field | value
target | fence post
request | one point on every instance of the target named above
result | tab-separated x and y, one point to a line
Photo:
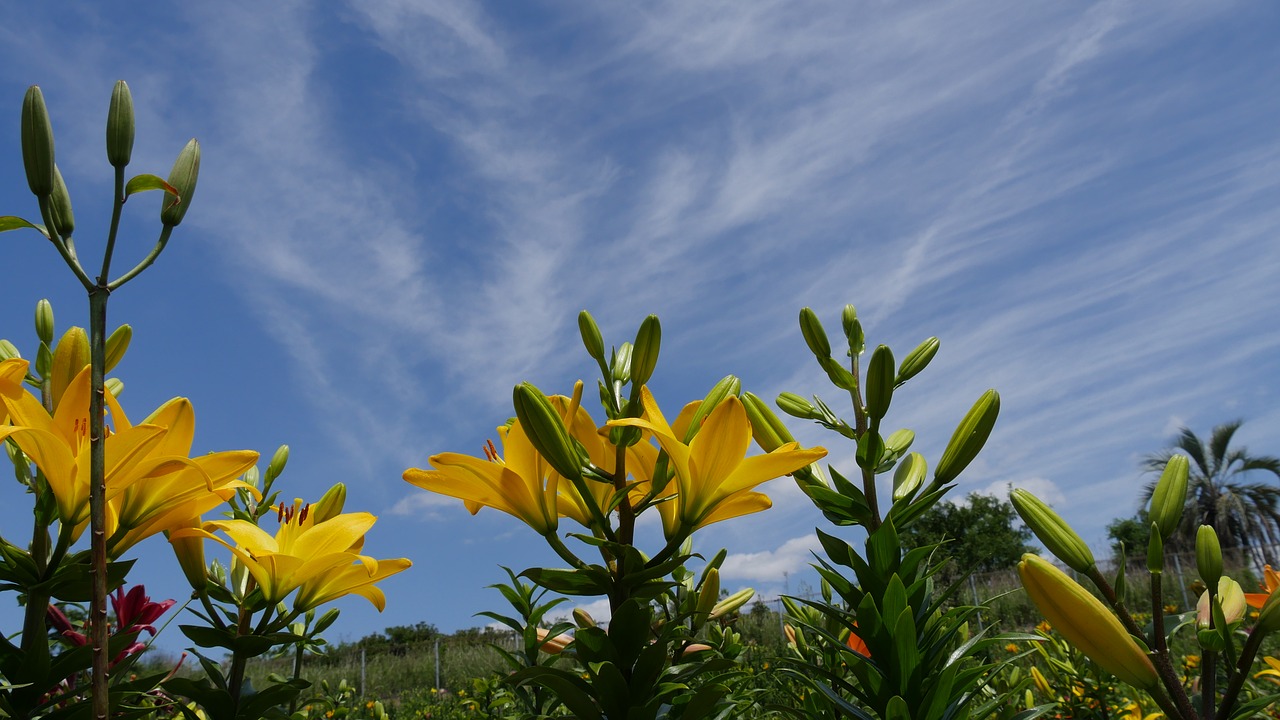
364	689
1182	583
437	655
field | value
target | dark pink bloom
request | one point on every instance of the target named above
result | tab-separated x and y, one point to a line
63	625
134	610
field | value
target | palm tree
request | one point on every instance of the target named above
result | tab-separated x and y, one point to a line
1244	514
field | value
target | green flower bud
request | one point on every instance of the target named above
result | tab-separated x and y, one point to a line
708	595
120	126
186	170
583	619
767	428
278	462
44	321
909	475
880	382
814	336
732	604
64	220
1170	496
591	336
917	360
69	358
44	361
796	406
330	504
1208	555
1155	551
621	370
8	351
728	385
644	357
118	345
37	143
838	374
1052	530
115	386
970	435
546	431
853	331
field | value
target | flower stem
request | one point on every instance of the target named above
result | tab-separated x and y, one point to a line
98	496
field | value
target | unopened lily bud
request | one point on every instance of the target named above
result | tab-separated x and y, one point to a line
917	360
330	504
44	321
186	170
37	143
970	435
1230	597
1170	496
8	351
591	335
838	374
793	636
880	377
708	595
621	370
583	619
796	406
767	428
1208	554
546	431
814	336
117	345
728	386
898	441
1155	551
644	356
115	386
553	645
69	358
120	126
732	604
1085	622
1052	530
189	548
278	462
852	330
64	220
909	475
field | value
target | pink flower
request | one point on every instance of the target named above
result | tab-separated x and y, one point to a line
135	612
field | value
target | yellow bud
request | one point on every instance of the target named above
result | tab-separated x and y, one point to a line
117	346
1052	530
553	645
330	504
1085	622
1230	597
708	594
190	553
909	475
69	358
732	604
583	618
546	431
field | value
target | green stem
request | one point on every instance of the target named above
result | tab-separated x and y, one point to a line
97	498
116	206
554	541
297	673
235	680
860	429
161	242
46	213
1208	682
1247	656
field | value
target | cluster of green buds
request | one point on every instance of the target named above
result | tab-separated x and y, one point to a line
1105	631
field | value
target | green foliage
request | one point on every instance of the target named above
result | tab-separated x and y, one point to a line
979	535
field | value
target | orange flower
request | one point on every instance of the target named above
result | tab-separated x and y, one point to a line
856	644
1270	581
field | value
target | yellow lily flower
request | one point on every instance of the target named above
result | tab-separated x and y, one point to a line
177	487
59	444
319	557
714	479
520	484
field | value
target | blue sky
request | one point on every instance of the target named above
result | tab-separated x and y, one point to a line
403	206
